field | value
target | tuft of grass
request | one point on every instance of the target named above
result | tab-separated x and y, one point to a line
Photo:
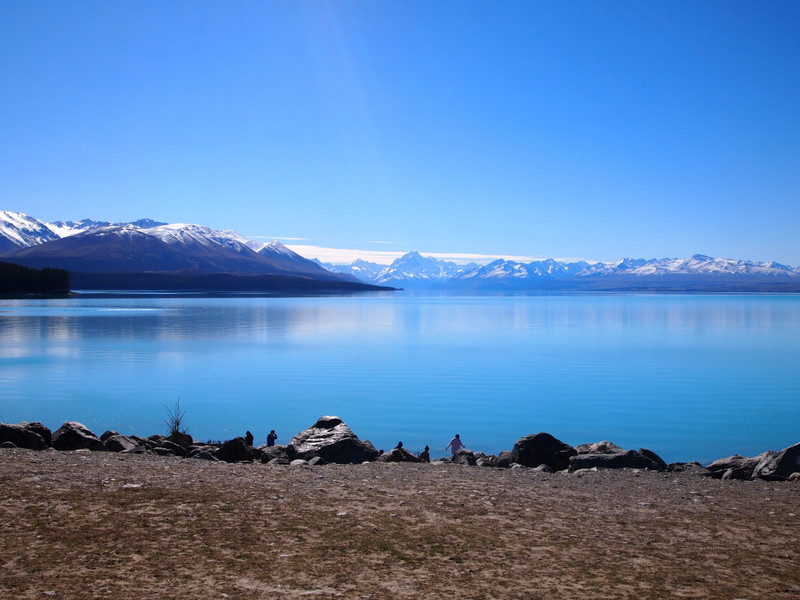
175	419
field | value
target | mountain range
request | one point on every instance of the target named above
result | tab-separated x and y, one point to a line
156	255
696	273
150	254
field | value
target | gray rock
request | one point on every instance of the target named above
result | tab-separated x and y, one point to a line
279	461
734	467
542	449
333	441
41	430
107	434
795	476
177	449
299	462
235	450
316	461
779	466
486	460
582	472
629	459
21	436
119	443
270	453
76	436
195	450
146	442
503	460
399	455
181	438
542	469
465	457
654	457
599	448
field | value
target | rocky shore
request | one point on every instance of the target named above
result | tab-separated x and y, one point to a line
330	440
139	521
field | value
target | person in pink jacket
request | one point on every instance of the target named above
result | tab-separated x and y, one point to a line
455	445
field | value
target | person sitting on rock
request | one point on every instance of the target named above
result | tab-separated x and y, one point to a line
271	437
425	455
248	439
455	445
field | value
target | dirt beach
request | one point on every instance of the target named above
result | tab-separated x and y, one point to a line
81	525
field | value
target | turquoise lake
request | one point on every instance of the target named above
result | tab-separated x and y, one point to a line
692	377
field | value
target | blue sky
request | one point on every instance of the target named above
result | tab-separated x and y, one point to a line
598	130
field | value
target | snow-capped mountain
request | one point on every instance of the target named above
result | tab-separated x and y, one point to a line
410	271
67	228
147	246
697	264
18	230
359	268
413	271
508	273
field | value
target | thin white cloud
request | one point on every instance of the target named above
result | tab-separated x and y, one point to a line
344	256
275	237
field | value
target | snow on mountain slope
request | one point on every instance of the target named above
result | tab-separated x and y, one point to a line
361	269
205	248
198	236
697	264
412	270
18	230
67	228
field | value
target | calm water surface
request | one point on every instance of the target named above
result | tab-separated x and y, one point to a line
690	377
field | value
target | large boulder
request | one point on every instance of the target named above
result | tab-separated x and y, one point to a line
270	453
76	436
779	466
181	438
654	457
119	443
176	449
235	450
503	460
542	449
735	467
628	459
399	455
25	435
333	441
41	430
464	457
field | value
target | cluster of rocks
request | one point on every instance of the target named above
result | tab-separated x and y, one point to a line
330	440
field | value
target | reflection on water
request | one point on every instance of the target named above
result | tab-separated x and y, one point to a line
689	376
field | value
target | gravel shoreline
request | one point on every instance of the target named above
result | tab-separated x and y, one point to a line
102	525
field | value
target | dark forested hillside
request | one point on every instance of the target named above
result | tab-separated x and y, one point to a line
16	279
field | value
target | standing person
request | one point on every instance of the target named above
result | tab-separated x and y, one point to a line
271	438
455	445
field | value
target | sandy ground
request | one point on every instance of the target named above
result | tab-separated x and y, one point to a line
81	525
